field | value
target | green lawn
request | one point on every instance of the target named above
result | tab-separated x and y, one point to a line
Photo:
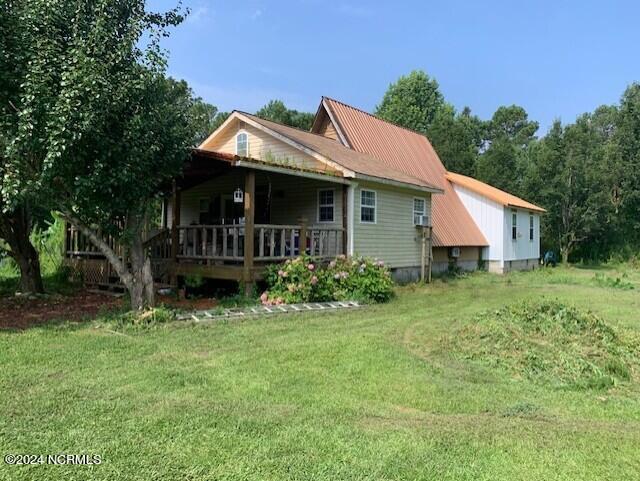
365	394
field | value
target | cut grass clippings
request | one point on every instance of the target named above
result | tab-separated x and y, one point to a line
551	342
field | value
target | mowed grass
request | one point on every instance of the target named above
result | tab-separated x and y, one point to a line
365	394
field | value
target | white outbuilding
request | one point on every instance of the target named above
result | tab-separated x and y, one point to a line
511	225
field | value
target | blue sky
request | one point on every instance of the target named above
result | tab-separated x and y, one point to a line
555	58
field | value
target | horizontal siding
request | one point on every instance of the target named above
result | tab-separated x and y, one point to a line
327	129
393	238
291	197
264	147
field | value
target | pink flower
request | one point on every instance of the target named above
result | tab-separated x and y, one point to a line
264	296
314	280
380	263
332	264
311	267
281	273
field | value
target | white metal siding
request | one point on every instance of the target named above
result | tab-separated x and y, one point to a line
488	216
521	248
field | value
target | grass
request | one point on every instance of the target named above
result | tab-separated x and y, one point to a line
367	394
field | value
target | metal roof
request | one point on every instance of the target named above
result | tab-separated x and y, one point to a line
490	192
406	151
361	163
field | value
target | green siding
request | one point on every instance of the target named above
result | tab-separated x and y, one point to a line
291	197
393	238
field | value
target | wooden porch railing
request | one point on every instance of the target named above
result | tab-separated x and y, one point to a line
272	243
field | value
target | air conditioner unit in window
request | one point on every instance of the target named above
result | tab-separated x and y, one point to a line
455	252
422	220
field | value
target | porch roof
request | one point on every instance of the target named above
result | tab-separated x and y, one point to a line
349	163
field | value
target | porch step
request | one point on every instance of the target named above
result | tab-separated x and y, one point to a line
244	312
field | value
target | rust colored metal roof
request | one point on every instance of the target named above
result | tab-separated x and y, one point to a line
352	160
490	192
407	151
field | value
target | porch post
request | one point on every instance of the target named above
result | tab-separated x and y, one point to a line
175	233
249	214
345	217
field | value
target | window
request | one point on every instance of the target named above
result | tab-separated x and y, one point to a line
419	209
242	144
203	211
514	225
531	227
326	205
368	206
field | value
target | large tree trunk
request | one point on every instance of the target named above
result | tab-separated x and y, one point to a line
15	229
137	278
141	283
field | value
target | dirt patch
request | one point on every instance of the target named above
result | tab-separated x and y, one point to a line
21	312
199	304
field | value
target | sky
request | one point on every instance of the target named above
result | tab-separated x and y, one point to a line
557	59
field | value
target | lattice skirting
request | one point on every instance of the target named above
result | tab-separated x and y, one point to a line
90	272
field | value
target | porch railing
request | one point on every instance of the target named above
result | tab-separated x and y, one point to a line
272	242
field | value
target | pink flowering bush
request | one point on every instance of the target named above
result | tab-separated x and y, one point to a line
304	280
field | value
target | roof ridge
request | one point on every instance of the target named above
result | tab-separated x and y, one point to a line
279	123
378	118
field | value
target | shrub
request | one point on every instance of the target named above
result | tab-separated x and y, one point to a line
303	280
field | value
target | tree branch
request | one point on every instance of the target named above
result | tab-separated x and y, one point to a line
101	245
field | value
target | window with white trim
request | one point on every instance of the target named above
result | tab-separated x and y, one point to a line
326	205
368	206
242	144
514	225
531	224
419	209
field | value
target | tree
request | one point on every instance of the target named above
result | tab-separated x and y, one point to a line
624	165
509	134
277	111
568	180
412	102
100	128
457	138
15	215
207	118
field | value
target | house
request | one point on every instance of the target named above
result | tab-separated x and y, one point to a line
510	225
257	192
462	237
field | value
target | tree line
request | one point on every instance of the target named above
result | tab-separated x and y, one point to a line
585	173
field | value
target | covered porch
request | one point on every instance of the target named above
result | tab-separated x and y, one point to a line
228	219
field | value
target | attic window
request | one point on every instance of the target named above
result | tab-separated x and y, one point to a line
242	144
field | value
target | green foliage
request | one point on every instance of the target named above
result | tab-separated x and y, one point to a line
146	319
413	101
303	280
550	342
620	282
509	134
277	111
458	139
